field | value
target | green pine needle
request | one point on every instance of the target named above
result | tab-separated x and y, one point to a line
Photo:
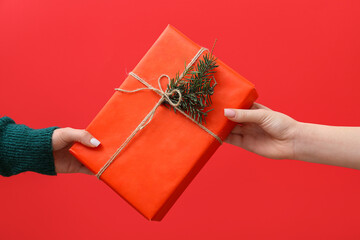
196	87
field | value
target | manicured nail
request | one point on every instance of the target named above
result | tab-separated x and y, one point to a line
95	142
229	113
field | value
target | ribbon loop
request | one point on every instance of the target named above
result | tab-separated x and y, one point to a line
159	80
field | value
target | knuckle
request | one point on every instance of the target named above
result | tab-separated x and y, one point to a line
84	134
264	116
240	115
262	113
67	131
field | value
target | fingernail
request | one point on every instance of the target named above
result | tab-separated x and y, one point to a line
95	142
229	113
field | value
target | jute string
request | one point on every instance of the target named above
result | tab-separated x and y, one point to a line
165	96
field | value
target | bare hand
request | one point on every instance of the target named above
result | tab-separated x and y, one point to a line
62	139
263	131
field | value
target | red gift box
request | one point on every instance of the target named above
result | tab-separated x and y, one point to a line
160	161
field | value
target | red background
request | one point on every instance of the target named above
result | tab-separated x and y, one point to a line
61	60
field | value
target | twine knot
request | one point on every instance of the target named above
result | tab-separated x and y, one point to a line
166	95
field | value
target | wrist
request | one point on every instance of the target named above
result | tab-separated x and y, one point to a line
299	140
309	141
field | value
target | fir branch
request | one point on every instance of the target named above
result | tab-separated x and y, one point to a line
196	87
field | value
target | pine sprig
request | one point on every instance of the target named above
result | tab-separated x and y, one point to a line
196	87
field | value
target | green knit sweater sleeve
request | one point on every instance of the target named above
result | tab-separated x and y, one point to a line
25	149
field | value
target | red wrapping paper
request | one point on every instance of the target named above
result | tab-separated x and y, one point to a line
158	164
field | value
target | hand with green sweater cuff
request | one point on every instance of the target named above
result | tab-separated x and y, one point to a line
43	151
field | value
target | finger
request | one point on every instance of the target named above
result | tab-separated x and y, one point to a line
258	116
82	136
238	129
85	170
259	106
235	139
246	129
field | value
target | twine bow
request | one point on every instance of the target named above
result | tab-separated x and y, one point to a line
165	96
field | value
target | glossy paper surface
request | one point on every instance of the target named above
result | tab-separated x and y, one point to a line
162	159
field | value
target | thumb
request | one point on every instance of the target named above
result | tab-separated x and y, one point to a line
70	135
258	116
